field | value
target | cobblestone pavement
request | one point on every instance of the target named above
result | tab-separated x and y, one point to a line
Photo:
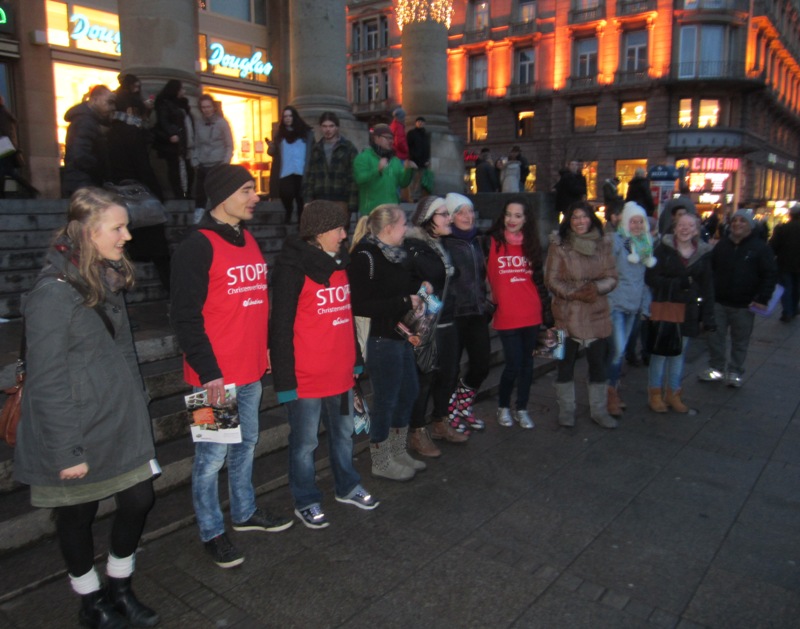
669	521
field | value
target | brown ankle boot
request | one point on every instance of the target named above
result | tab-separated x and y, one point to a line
420	441
614	404
655	400
441	429
673	400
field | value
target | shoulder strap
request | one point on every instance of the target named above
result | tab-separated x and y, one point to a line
371	263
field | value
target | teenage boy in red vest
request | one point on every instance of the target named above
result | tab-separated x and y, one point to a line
219	312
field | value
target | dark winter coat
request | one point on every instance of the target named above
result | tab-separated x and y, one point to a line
486	177
570	187
743	272
427	266
639	191
468	285
332	181
688	282
170	121
785	242
84	400
86	154
379	289
419	147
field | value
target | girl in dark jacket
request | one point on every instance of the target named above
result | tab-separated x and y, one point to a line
314	358
470	316
85	431
291	153
170	133
431	263
683	274
379	280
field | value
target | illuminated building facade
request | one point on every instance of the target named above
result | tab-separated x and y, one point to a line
710	85
53	51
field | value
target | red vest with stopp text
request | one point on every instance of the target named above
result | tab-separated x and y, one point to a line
236	311
513	290
324	338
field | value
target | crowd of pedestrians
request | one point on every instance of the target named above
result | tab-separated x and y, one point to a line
401	303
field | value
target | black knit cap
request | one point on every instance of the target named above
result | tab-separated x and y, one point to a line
320	216
223	180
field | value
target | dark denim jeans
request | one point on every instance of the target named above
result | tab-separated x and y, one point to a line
336	412
596	356
518	346
393	374
440	383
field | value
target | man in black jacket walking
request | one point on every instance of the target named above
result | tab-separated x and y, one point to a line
745	275
785	242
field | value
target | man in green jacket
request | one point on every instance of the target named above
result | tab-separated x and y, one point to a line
378	173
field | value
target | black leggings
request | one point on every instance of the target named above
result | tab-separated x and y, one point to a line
290	189
74	527
596	355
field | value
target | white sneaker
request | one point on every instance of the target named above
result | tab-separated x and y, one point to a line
504	417
524	419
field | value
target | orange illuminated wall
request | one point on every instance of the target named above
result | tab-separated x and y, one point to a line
500	68
456	73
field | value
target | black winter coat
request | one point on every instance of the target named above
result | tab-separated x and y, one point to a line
468	286
639	191
689	283
86	154
785	242
744	272
427	266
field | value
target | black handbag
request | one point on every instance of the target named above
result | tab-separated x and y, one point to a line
665	338
144	208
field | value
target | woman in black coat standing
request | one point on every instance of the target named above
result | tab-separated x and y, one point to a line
170	133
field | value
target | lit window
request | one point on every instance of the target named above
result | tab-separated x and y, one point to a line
685	113
585	118
478	128
526	66
633	114
373	87
525	124
527	11
708	114
586	58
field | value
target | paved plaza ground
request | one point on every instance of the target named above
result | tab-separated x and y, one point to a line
668	521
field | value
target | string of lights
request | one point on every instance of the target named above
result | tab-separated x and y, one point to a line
411	11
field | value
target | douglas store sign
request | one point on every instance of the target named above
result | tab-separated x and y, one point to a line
83	28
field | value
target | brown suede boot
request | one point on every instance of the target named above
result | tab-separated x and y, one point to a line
673	400
441	429
655	400
419	440
614	404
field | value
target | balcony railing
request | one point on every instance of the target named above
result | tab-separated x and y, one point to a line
714	5
626	77
721	69
368	55
482	34
632	7
582	81
579	16
521	90
522	28
372	106
709	138
474	95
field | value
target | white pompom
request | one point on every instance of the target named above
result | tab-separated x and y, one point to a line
633	257
650	262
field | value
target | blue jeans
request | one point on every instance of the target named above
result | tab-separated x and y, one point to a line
622	323
518	346
208	461
304	417
393	373
667	368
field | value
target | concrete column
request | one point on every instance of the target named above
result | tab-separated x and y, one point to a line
424	46
318	53
159	42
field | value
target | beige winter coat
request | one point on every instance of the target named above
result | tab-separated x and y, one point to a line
566	271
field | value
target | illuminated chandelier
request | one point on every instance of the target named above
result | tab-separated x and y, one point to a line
410	11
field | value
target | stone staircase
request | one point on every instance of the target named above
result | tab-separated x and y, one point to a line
26	228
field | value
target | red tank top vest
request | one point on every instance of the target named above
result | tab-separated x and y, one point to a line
513	290
236	311
324	338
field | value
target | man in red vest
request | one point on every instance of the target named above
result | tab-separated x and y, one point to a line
219	312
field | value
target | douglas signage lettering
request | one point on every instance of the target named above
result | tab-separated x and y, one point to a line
253	65
84	29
